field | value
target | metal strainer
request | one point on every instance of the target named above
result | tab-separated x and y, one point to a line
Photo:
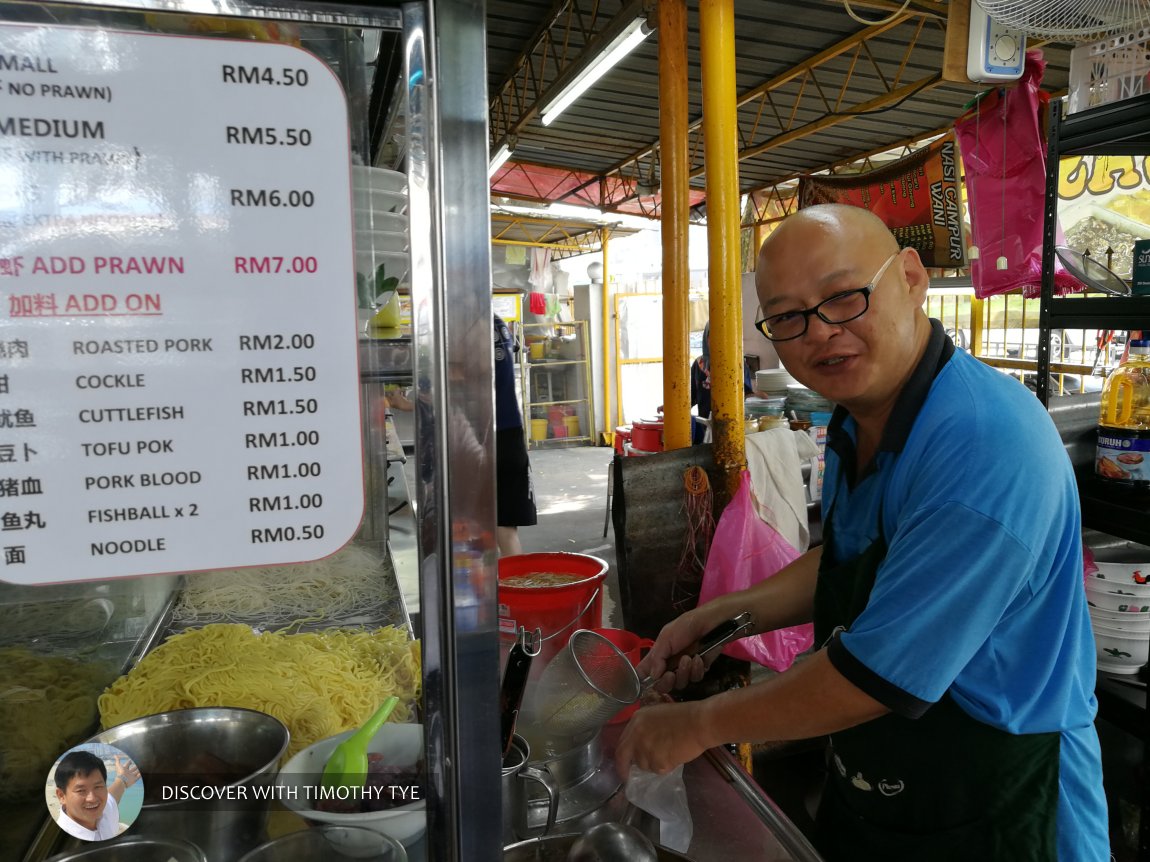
590	680
584	686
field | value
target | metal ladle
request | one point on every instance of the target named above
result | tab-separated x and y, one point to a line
612	842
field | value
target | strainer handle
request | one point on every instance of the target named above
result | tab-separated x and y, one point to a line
724	633
719	636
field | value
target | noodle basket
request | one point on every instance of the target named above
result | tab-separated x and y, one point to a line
583	687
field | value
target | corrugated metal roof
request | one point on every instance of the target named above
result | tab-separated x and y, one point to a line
619	117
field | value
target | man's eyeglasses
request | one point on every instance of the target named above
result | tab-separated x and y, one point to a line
840	308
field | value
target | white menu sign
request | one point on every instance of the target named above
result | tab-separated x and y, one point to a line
178	367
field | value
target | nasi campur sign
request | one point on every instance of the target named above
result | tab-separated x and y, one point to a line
918	197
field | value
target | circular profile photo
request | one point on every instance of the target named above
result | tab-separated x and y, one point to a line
94	791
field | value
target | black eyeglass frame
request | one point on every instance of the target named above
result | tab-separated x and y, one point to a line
866	290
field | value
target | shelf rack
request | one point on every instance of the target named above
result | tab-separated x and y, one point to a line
1120	128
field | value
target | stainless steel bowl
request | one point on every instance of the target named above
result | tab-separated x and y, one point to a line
208	747
135	850
554	848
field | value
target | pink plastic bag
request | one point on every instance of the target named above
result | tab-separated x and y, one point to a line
1004	156
744	551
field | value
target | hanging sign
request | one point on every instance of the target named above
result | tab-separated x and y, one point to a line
917	197
178	369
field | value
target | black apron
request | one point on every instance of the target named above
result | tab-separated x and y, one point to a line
933	789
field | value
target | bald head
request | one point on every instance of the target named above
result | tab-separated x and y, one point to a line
855	353
851	225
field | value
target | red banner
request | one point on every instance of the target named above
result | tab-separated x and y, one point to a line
917	197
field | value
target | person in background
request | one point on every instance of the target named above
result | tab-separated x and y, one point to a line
515	496
701	386
89	806
956	671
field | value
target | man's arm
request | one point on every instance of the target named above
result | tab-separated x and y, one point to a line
811	699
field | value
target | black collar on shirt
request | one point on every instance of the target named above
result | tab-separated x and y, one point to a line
939	349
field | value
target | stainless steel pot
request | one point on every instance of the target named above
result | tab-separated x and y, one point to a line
210	747
516	773
585	781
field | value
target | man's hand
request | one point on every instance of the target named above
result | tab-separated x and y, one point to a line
127	774
671	661
660	737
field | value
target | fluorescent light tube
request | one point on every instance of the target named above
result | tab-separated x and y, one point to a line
616	50
502	155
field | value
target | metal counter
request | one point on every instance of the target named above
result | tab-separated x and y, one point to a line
732	819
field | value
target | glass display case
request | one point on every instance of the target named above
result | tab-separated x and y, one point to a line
206	209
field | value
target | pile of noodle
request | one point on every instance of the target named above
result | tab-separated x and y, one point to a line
348	584
47	705
318	684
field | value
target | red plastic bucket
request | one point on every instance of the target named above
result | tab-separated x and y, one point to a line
632	646
559	609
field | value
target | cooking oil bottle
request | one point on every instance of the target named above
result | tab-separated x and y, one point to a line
1124	423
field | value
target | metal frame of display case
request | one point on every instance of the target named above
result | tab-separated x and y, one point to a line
444	68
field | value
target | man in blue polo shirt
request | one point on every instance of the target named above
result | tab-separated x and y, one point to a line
957	670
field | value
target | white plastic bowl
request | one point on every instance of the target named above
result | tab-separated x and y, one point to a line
1117	602
378	178
379	200
400	745
1114	576
366	220
380	240
1127	621
1123	646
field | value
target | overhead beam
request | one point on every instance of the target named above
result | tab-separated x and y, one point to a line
573	32
836	50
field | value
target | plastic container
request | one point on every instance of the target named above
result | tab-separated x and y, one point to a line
572	425
647	435
1123	458
538	429
558	609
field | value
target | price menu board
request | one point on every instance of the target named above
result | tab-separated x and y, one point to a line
178	369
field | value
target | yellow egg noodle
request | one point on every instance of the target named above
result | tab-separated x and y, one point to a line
317	683
349	583
47	705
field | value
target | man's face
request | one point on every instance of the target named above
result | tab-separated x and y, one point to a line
863	361
85	798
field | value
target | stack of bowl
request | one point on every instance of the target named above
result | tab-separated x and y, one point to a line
773	381
1119	599
381	235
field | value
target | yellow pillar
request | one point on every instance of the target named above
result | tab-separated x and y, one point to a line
608	431
673	159
717	41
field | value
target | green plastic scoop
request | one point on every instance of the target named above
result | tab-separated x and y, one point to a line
347	765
